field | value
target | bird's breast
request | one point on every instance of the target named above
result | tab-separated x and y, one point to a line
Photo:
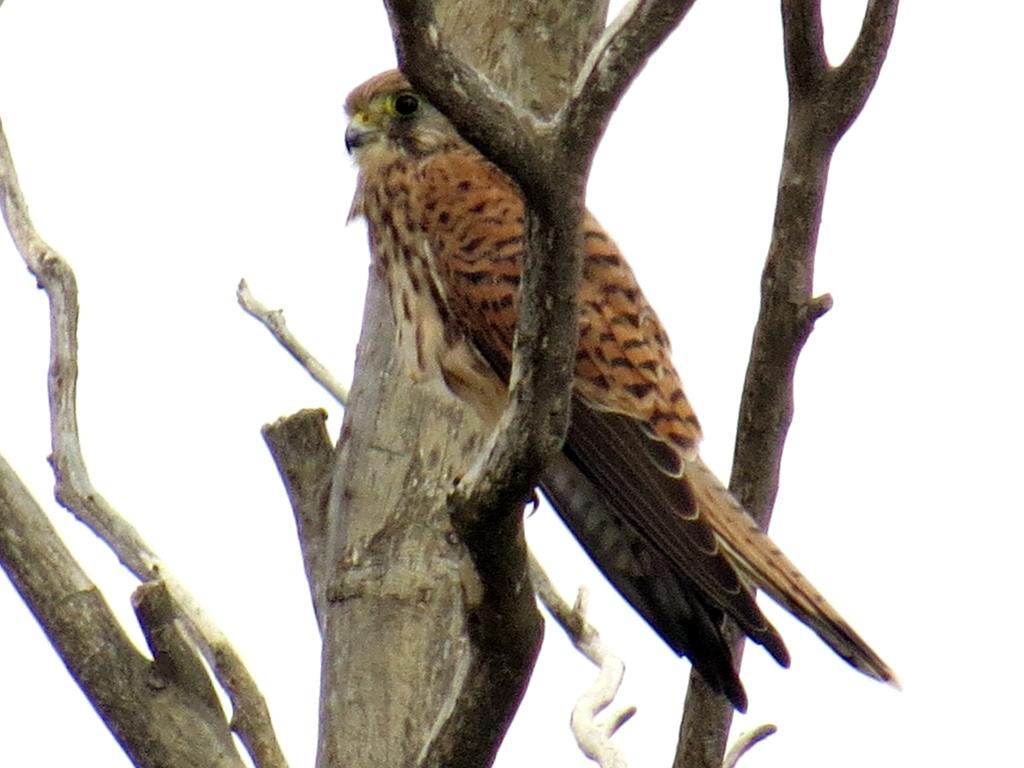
432	347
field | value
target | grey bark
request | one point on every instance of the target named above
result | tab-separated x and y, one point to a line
302	450
92	648
164	713
430	634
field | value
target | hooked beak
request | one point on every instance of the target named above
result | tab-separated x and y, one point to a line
359	133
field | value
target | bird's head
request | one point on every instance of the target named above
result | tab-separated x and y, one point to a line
387	117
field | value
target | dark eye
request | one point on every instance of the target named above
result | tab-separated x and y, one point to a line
406	104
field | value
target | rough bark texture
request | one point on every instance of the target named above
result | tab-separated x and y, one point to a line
304	455
164	712
400	584
430	638
530	50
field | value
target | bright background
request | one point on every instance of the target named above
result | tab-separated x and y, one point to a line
169	149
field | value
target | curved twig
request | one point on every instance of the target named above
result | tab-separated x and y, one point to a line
592	734
74	489
745	742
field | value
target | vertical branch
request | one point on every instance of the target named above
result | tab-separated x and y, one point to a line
823	102
303	454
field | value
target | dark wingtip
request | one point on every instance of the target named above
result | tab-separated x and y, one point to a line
736	695
772	642
719	672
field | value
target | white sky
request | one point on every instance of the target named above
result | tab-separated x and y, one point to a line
169	149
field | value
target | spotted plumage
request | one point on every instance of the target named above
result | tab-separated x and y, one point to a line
446	233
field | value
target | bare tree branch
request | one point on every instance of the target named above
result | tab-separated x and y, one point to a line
533	427
806	62
745	742
273	320
612	65
822	102
74	489
161	712
855	78
593	735
304	456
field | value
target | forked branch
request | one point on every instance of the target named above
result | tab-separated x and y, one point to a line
74	489
823	101
162	713
592	730
550	161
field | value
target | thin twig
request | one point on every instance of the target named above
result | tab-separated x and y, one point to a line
273	320
746	740
74	489
592	734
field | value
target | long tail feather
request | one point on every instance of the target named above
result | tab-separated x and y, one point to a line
764	566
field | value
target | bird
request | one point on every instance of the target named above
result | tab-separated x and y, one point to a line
446	233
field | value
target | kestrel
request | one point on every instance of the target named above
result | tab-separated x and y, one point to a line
446	234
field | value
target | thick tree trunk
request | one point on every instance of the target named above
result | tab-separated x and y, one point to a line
429	640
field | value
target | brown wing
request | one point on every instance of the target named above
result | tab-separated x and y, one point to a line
631	486
656	588
472	216
632	426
